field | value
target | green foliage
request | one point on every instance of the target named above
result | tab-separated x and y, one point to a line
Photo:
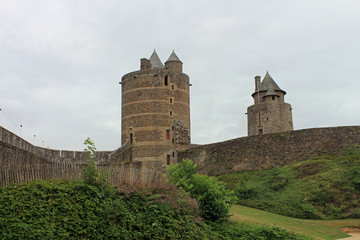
321	188
244	231
91	175
244	191
78	210
213	198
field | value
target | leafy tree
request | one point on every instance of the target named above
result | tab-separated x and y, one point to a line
214	200
91	175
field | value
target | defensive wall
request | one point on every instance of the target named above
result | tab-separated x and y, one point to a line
271	150
20	161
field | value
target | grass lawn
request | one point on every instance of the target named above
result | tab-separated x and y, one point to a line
320	229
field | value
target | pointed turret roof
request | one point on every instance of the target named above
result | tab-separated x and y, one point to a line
173	57
269	85
155	61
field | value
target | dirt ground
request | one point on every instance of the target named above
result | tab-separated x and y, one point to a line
353	231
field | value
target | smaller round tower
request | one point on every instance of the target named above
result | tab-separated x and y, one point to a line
270	113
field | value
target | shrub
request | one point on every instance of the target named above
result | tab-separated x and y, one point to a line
214	200
78	210
243	191
244	231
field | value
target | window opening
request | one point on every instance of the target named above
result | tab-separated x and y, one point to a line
173	154
131	138
166	80
173	140
273	97
167	134
259	119
168	159
170	113
170	100
172	87
261	132
173	128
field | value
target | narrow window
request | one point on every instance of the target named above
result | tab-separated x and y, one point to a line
261	132
167	134
173	140
259	119
131	138
173	128
273	97
173	154
168	159
267	118
166	80
170	113
170	100
172	87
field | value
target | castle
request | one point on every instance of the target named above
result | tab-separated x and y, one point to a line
156	110
156	132
269	114
155	115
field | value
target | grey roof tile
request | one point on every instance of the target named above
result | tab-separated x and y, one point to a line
269	85
173	57
155	61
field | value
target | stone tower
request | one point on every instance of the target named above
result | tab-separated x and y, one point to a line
155	116
269	114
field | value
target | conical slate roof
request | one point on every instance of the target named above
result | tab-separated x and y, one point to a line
271	92
173	58
268	84
155	61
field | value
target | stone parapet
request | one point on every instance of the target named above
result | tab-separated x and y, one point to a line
271	150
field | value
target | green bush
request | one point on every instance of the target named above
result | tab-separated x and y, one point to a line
244	231
243	191
213	198
78	210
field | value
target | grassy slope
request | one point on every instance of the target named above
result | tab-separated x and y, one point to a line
320	188
322	229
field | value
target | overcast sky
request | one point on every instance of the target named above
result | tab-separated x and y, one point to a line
61	62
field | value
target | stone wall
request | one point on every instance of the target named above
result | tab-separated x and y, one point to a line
58	156
271	150
270	116
21	161
153	100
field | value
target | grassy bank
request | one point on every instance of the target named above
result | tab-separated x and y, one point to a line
320	188
323	229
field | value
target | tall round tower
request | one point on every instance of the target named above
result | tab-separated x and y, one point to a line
155	116
270	113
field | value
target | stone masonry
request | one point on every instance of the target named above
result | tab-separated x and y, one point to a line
269	114
155	116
